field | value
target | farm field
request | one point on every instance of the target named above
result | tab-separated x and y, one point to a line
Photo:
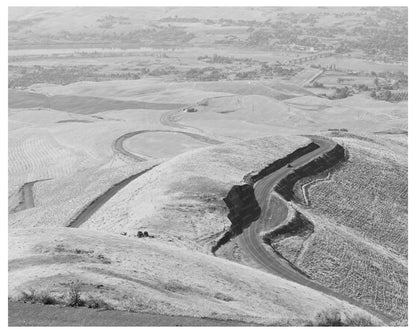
246	165
361	243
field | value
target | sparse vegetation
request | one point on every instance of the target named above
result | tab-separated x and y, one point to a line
43	297
74	298
336	318
97	303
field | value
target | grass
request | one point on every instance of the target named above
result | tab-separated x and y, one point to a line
163	279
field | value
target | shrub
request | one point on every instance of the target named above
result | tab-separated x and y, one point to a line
74	295
328	318
175	286
223	297
98	303
334	318
359	320
28	296
43	297
46	298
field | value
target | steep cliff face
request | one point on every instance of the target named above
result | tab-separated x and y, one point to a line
280	163
243	206
314	167
244	209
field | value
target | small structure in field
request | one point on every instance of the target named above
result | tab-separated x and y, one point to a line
190	109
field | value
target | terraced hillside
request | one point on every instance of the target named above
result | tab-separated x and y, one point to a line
359	213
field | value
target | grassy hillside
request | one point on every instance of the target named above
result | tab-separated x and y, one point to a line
181	200
158	278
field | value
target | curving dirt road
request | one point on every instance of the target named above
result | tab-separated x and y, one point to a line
26	197
118	146
98	202
252	244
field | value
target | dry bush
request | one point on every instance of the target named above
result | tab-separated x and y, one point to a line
74	295
43	297
176	286
98	303
223	297
334	317
359	320
328	318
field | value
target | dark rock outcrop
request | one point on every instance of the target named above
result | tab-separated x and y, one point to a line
244	209
280	163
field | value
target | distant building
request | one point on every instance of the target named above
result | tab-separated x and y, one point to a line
190	109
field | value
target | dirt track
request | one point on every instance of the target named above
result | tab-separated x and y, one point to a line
96	204
118	146
252	243
26	194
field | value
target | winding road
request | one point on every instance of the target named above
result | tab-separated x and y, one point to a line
251	241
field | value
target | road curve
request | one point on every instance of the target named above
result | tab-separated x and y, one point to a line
118	146
252	244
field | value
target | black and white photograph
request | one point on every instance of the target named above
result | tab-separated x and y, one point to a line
206	165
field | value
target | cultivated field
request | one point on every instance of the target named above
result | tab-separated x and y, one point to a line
360	235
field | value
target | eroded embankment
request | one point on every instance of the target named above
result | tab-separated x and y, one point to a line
328	160
244	209
287	240
252	178
94	205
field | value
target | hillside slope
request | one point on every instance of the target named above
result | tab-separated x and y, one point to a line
359	211
158	278
182	198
